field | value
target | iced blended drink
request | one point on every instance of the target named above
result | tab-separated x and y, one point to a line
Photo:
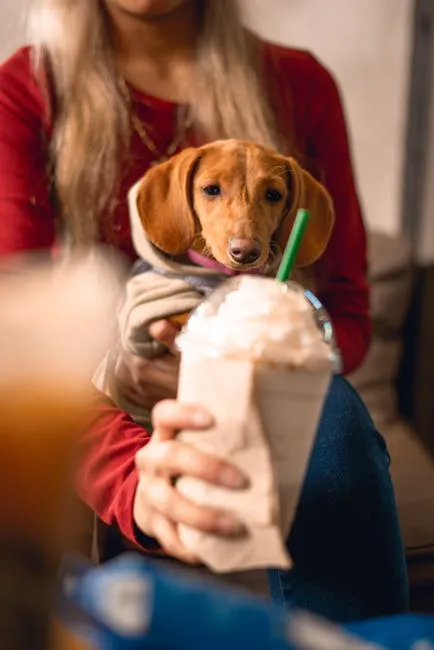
53	331
253	353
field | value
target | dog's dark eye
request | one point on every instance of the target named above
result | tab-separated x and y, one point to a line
273	196
212	190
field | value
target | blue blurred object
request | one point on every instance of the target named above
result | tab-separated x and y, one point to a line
133	603
136	603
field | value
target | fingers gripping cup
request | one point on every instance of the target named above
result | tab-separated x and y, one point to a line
260	355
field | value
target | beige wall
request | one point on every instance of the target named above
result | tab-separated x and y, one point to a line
366	43
12	18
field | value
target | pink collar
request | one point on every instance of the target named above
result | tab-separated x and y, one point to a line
208	263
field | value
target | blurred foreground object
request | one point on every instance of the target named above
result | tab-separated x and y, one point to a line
132	603
53	331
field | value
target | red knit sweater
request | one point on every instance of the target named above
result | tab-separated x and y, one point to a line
308	108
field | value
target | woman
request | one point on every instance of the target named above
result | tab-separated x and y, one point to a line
110	88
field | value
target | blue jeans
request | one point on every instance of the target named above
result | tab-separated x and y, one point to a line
345	541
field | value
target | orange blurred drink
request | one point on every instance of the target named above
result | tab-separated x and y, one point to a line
53	332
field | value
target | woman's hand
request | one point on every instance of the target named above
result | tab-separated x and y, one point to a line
147	381
158	506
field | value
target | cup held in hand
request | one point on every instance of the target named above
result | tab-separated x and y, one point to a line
259	355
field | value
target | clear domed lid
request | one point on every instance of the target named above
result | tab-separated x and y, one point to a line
245	300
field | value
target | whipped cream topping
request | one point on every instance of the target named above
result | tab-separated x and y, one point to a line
259	319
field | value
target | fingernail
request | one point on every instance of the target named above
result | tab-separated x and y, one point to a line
231	478
228	524
202	418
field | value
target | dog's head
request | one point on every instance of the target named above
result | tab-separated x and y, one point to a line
234	201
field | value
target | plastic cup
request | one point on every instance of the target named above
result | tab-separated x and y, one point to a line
266	415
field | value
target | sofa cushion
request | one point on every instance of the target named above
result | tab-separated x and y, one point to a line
412	468
387	254
390	275
413	477
375	379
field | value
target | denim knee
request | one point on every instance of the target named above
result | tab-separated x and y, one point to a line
345	541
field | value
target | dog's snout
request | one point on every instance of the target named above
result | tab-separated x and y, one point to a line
244	251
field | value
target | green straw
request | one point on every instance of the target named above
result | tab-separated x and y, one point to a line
292	246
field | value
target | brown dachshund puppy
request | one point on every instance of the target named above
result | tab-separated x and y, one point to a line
234	202
209	212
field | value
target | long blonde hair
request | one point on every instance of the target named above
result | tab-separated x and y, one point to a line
91	128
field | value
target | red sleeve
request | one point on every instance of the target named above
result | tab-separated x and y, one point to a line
342	270
108	477
26	215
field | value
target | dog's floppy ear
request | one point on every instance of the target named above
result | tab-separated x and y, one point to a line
309	194
165	202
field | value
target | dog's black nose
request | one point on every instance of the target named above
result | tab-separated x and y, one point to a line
244	251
